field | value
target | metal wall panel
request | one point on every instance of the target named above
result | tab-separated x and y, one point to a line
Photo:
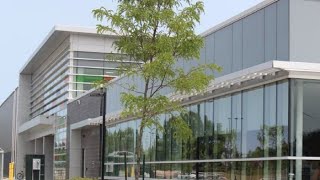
304	30
283	30
270	32
223	50
209	41
237	39
253	39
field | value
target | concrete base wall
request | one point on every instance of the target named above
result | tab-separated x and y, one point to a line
75	157
91	144
48	148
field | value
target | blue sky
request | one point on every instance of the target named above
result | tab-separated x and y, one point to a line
24	24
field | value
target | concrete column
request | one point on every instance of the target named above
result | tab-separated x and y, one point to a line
23	146
39	146
75	154
299	127
48	149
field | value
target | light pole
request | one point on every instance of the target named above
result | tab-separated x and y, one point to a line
104	99
1	163
103	94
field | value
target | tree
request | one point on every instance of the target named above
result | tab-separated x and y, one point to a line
158	35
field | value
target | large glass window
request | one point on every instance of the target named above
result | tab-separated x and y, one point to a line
236	125
160	141
252	123
311	118
283	118
247	124
196	118
222	130
270	121
306	103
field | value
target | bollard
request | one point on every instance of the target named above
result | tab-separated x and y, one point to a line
11	170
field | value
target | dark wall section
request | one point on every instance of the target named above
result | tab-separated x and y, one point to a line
257	38
81	109
90	145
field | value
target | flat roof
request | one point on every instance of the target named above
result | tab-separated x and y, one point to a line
56	36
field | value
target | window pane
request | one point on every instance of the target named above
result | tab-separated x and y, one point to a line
90	71
209	126
311	118
222	119
270	128
160	148
253	123
196	118
282	119
90	63
90	55
236	125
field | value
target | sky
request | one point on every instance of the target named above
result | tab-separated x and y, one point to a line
24	25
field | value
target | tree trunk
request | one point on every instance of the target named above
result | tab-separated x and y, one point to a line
138	153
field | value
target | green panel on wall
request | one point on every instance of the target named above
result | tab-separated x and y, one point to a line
82	78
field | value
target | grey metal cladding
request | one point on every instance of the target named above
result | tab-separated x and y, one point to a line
270	32
223	49
6	117
203	55
257	38
83	108
209	50
253	39
237	39
283	30
209	41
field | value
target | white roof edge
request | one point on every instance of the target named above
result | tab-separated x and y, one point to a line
63	28
297	66
238	17
80	29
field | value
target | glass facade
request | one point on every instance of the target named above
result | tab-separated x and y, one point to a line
230	135
60	144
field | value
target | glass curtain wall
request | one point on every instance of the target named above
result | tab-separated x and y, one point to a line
305	134
244	125
60	140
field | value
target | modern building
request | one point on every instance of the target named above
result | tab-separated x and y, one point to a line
67	64
259	118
